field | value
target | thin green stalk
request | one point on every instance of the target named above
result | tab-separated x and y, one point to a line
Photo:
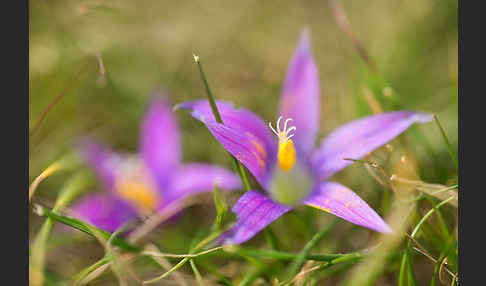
442	225
215	271
406	258
441	258
221	207
196	273
198	247
88	270
113	236
177	266
37	259
251	276
323	275
241	172
54	167
429	213
84	227
443	190
345	265
282	255
301	258
410	274
423	196
349	258
423	219
270	238
330	259
258	267
69	191
403	267
385	205
217	116
449	146
159	254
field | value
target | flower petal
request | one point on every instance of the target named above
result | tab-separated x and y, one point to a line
255	211
338	200
160	146
243	134
102	160
357	138
194	178
104	211
300	95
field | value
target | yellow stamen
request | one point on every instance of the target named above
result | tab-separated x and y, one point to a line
286	154
286	150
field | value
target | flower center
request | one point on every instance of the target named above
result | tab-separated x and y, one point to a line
139	194
286	150
135	185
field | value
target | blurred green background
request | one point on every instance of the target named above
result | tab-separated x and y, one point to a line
245	46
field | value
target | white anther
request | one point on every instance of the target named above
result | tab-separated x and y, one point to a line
285	124
283	135
274	131
278	124
290	129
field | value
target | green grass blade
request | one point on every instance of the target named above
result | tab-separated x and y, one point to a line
217	116
301	258
198	247
69	191
199	278
410	274
85	227
429	213
403	268
446	140
78	278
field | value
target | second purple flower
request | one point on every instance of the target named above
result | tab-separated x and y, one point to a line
139	185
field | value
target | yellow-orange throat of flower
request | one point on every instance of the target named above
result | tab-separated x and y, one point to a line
286	150
141	195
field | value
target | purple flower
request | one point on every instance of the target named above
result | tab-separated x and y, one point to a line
287	166
138	185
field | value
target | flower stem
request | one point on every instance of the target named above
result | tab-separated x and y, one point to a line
218	118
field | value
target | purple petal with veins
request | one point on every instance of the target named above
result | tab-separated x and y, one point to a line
254	211
246	149
239	119
243	134
300	96
356	139
339	200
